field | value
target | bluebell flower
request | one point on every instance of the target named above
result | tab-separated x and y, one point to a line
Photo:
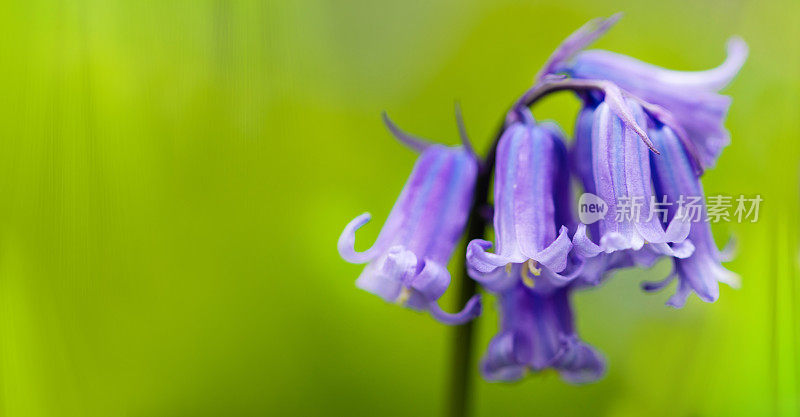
643	136
537	332
614	163
407	264
597	268
691	98
674	178
532	209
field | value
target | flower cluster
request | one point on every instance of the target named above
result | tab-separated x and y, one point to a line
643	133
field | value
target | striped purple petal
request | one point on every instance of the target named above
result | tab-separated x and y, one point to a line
674	177
620	176
408	261
532	206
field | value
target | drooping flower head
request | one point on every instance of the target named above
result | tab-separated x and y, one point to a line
642	138
537	332
617	170
690	97
532	209
675	179
408	261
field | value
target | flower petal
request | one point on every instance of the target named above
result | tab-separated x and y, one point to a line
471	310
347	242
554	257
581	152
583	245
579	363
635	76
432	281
652	286
497	280
482	261
506	358
675	179
385	277
678	299
680	250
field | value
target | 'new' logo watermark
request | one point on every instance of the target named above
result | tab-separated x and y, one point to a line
591	208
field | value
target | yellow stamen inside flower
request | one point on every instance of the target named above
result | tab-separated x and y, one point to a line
403	297
534	267
526	279
508	269
530	266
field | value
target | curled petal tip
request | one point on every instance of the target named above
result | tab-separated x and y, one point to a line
652	286
347	240
731	279
717	78
471	310
737	48
737	53
407	139
479	259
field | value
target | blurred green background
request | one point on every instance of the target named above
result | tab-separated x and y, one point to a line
174	176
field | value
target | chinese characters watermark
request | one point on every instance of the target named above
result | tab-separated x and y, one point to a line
713	209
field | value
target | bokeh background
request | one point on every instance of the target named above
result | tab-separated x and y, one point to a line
174	176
